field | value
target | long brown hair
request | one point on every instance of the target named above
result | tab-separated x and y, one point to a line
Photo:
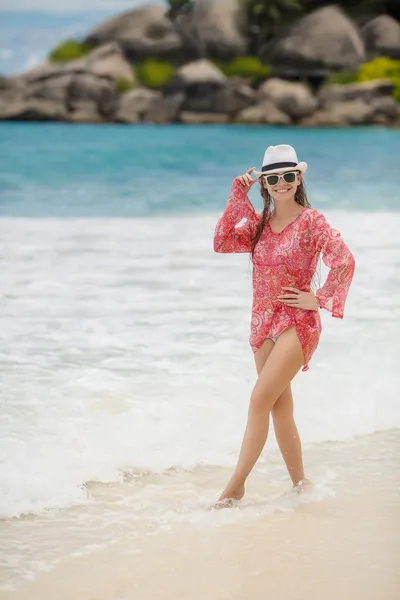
300	197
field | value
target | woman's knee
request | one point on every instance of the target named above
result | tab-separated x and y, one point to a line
283	407
261	400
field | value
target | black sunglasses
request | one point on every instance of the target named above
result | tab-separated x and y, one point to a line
289	177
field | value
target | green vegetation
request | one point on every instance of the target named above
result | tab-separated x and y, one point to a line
69	50
266	18
244	66
154	73
123	85
382	68
342	77
179	4
378	68
272	10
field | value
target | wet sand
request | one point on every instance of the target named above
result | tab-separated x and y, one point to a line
342	543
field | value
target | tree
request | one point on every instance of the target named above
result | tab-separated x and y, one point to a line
179	7
267	17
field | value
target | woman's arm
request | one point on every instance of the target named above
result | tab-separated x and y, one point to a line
228	237
337	256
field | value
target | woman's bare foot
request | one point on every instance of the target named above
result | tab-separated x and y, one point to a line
229	497
304	485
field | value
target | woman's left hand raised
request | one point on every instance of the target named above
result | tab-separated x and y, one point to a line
299	299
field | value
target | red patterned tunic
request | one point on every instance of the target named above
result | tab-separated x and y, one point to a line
288	258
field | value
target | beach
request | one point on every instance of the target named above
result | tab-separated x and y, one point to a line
340	542
126	373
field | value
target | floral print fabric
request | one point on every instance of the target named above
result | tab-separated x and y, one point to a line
288	258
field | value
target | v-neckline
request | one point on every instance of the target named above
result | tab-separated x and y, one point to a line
286	226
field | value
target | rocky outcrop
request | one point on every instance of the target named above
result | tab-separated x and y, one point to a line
382	37
199	81
234	96
86	114
133	105
264	113
22	109
364	103
198	72
91	93
202	118
91	89
214	28
385	110
323	41
366	91
105	61
141	33
166	109
356	112
82	90
208	90
293	99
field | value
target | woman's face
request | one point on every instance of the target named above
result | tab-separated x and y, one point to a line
283	189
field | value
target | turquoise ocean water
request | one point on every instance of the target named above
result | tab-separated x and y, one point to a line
124	356
116	171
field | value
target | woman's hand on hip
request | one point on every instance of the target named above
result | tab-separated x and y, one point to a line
246	180
299	299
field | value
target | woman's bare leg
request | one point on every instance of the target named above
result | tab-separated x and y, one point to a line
282	364
286	432
287	435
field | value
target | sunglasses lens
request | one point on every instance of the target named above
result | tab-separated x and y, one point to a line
289	177
272	179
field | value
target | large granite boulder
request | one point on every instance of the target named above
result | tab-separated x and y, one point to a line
293	99
214	28
105	61
342	114
385	110
141	33
61	94
202	118
90	92
199	81
382	37
31	110
230	98
133	105
165	109
199	72
86	114
264	113
84	87
366	91
320	42
51	88
234	96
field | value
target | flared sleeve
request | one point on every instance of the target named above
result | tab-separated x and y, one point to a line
228	237
337	256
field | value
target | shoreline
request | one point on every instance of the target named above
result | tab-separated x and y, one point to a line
372	126
339	543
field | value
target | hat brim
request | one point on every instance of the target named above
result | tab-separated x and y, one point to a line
302	167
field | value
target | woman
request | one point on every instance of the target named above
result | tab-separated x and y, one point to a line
285	244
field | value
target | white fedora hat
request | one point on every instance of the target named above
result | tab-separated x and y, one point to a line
278	159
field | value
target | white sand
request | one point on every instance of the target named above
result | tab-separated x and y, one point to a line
343	547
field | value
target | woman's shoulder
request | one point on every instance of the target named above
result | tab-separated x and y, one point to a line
314	216
313	212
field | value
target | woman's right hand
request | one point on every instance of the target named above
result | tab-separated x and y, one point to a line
246	180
